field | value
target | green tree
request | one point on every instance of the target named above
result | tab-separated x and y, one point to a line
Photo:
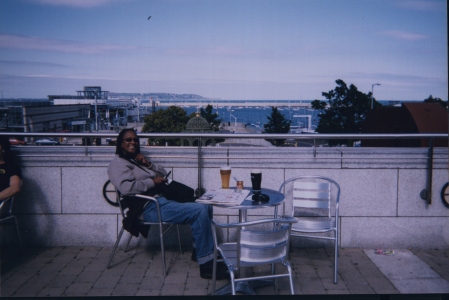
170	120
344	111
435	100
276	124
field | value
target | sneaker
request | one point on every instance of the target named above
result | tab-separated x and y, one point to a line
206	270
193	257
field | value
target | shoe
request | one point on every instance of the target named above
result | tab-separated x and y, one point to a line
194	255
206	270
194	258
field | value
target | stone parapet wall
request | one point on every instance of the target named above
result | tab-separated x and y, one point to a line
61	202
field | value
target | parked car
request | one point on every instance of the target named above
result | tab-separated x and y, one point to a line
14	141
46	141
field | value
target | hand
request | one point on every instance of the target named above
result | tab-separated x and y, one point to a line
140	158
158	180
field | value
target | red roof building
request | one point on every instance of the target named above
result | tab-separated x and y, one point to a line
411	117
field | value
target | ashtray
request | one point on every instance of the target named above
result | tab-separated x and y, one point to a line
261	198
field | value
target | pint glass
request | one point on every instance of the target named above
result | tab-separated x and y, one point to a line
225	172
256	180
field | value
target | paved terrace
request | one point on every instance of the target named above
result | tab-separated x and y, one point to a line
81	271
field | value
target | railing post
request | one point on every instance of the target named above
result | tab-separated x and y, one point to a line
426	194
199	191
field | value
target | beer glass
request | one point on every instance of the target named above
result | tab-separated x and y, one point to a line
225	172
256	180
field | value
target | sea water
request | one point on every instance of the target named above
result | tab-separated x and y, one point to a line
258	116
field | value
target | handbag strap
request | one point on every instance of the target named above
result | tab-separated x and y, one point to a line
134	162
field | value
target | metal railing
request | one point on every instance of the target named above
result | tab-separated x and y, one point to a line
425	194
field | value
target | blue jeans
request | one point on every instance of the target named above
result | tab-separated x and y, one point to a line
197	215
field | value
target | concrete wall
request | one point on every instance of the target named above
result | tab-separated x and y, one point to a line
61	202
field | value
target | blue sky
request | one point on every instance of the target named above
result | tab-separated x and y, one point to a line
227	49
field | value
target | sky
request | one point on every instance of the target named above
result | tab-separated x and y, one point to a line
226	49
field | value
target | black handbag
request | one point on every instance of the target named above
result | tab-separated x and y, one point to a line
176	191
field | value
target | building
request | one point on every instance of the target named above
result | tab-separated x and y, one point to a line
45	118
197	124
411	117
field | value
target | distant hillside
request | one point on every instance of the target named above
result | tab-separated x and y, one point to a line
159	96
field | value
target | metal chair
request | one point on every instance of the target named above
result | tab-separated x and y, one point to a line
163	227
6	215
315	202
259	242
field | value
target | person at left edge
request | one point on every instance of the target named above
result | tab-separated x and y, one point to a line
10	173
132	173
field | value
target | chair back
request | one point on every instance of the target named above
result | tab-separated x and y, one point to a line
122	203
6	207
312	196
263	246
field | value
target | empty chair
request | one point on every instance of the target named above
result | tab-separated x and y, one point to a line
260	242
6	215
315	202
163	227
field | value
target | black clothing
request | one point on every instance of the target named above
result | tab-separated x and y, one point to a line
7	170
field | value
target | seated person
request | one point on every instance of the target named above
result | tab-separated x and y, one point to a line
10	174
132	173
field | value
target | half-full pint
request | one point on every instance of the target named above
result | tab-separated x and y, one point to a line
256	180
225	172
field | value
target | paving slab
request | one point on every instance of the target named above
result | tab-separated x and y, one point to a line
82	272
408	273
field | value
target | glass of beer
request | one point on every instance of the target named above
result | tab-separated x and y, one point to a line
256	180
225	172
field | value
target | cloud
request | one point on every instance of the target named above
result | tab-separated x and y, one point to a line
30	63
215	51
403	35
424	5
75	3
66	46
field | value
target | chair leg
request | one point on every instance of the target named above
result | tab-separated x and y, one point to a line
18	233
128	242
232	282
336	259
179	239
161	238
290	277
115	248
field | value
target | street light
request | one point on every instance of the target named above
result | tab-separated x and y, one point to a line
235	119
372	94
96	114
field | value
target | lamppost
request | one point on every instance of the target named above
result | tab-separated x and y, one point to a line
96	114
372	94
235	119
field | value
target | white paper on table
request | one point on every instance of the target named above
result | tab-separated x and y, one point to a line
224	197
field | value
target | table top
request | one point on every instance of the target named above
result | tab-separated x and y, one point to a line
276	198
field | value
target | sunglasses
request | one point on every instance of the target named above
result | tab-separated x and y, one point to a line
129	140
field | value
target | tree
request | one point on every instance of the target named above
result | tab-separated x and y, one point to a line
435	100
277	124
344	111
170	120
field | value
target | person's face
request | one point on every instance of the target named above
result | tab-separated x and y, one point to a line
130	143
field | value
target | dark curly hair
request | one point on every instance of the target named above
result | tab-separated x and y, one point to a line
118	149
